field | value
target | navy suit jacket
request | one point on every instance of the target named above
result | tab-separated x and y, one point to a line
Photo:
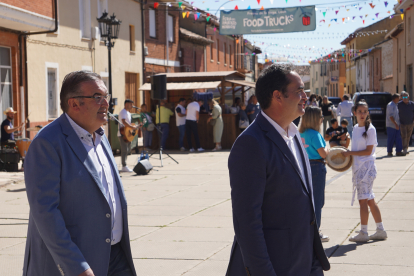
68	222
273	213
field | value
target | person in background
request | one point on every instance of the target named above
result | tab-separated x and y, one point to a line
244	120
315	146
312	101
326	112
192	118
319	100
7	129
218	125
345	140
125	119
335	133
252	109
406	114
165	114
147	129
393	127
345	111
180	115
236	105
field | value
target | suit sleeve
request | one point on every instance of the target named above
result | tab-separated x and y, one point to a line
247	168
42	179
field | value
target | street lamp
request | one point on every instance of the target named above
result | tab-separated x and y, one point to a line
109	29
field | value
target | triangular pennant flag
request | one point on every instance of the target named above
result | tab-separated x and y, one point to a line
361	16
156	4
401	10
353	17
208	18
195	16
363	21
343	19
329	25
323	14
258	2
271	1
360	8
336	12
366	15
388	12
286	1
236	7
184	14
198	15
215	29
386	3
249	8
262	8
372	5
402	16
188	14
347	10
377	14
180	4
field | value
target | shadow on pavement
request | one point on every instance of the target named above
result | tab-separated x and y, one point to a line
17	190
342	250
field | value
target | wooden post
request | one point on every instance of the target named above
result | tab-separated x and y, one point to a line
223	93
234	94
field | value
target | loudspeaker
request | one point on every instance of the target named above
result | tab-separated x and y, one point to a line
143	167
159	87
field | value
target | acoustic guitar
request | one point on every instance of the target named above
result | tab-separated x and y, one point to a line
128	133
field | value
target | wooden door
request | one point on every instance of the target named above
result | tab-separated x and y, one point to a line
131	88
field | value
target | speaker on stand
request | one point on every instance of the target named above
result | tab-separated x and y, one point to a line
159	92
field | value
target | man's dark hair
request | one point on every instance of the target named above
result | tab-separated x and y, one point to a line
396	95
128	101
71	86
275	77
181	100
333	121
344	122
200	101
346	97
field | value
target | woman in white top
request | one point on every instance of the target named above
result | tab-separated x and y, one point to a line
364	143
312	101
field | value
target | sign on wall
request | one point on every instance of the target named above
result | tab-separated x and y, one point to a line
283	20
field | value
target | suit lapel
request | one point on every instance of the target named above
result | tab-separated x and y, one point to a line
80	151
281	144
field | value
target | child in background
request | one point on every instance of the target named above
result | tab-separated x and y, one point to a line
364	142
345	139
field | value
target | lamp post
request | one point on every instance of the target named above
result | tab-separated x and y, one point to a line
109	29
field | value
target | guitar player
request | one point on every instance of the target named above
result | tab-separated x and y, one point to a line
125	119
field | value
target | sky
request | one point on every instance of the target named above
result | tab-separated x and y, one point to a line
300	47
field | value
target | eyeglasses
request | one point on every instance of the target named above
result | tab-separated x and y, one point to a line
322	117
99	98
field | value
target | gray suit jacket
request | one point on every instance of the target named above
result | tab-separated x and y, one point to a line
273	213
68	222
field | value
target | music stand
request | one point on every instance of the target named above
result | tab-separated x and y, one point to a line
160	150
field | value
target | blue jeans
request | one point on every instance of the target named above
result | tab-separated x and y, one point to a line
350	125
118	263
147	138
394	136
165	128
181	130
318	182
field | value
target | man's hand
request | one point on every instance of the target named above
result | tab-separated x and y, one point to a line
397	127
88	272
346	153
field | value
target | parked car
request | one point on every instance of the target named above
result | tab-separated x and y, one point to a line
377	106
335	100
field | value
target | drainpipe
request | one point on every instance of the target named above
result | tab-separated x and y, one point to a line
143	47
166	36
23	90
396	91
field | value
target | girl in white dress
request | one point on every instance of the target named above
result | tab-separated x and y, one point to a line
363	145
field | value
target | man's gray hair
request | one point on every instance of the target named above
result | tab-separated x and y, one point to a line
404	94
71	86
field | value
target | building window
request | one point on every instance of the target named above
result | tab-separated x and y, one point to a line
5	81
85	18
132	38
225	52
218	50
102	7
52	91
152	24
230	55
211	49
316	75
317	91
170	26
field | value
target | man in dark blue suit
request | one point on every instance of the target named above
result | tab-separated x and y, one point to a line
270	178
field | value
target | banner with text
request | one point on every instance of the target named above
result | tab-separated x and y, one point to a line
283	20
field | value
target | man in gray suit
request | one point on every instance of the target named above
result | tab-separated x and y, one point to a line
78	222
271	188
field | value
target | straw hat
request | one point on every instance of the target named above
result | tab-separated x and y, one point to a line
9	110
337	161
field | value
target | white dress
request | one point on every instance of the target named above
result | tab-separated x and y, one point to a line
363	168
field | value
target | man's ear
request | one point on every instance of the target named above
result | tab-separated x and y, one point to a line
73	104
277	96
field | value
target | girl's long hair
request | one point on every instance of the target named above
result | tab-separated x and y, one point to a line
311	119
367	120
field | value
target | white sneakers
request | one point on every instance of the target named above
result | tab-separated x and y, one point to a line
126	169
182	149
199	149
323	237
363	237
216	149
191	150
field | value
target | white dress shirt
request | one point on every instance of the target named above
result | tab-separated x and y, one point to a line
105	173
345	109
289	138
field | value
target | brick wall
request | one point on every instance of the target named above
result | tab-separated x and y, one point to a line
10	40
218	62
192	59
43	7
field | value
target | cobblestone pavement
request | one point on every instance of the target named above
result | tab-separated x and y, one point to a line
180	218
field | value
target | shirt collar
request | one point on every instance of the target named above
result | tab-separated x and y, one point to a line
84	135
292	129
